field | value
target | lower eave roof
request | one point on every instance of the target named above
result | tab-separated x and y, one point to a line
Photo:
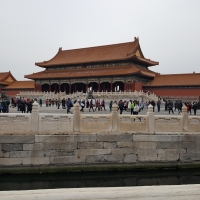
91	72
21	85
175	80
4	83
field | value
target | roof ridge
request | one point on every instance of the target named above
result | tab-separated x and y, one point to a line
101	46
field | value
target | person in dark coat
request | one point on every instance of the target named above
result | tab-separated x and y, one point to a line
121	106
194	106
29	106
91	106
153	104
23	105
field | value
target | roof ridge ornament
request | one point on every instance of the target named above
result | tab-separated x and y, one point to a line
60	49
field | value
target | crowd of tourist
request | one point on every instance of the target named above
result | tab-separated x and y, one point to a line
169	106
134	107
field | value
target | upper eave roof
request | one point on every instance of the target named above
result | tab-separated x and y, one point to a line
192	79
91	72
114	52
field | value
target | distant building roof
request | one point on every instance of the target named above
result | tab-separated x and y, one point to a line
114	52
6	78
92	72
21	85
192	79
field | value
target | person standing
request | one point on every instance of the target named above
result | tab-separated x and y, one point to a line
158	105
19	101
1	107
47	102
29	106
23	105
53	102
110	105
136	109
58	103
69	106
194	108
82	105
63	103
170	107
97	103
87	104
153	104
189	107
103	105
121	106
91	105
132	107
40	102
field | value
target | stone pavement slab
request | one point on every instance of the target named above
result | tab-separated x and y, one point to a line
175	192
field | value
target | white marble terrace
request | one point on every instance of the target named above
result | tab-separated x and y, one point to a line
99	95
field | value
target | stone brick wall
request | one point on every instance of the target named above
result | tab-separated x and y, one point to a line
93	149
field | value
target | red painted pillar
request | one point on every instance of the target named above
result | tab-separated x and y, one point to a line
133	86
111	87
70	88
99	87
58	87
38	88
65	88
86	87
49	87
125	86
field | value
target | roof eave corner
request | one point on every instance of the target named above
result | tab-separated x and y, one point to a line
27	76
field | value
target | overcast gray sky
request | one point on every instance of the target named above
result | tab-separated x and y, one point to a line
33	30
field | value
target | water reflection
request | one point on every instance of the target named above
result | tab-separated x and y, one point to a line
98	179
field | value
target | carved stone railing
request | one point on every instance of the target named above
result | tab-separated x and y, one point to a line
40	123
141	96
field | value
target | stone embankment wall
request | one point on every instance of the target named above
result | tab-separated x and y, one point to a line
97	151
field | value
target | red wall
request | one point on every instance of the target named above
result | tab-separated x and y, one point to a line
38	88
138	86
175	92
129	86
15	92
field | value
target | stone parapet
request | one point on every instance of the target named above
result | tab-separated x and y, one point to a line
48	123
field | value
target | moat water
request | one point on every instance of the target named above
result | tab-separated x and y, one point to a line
98	179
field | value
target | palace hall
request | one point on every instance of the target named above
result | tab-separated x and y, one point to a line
111	68
118	67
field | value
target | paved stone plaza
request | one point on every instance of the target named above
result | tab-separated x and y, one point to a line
53	109
175	192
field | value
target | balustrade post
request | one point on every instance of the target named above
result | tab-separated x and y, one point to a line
35	118
114	117
76	117
185	118
151	119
